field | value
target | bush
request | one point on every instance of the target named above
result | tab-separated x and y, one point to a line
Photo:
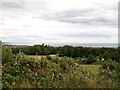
91	59
7	55
25	72
109	76
49	57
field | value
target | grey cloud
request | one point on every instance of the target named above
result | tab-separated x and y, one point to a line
76	12
24	6
89	16
69	14
12	5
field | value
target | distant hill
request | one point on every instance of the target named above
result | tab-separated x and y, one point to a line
16	46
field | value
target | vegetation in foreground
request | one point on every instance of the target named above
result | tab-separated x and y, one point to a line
22	71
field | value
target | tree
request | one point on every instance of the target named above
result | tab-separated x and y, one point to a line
90	59
115	56
106	55
100	57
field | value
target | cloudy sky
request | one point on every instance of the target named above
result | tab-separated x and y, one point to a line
58	22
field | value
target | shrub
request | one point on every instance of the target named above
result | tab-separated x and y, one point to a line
91	59
49	57
25	72
7	55
110	74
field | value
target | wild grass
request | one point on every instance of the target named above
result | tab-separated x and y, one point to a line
93	69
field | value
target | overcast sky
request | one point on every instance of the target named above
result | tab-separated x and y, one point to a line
57	22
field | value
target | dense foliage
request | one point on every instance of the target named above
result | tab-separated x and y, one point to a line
20	70
70	51
110	74
90	59
6	55
25	72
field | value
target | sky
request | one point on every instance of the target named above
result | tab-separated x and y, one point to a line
58	22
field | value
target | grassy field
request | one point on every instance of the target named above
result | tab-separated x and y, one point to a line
93	69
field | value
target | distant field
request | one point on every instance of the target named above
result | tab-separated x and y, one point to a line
37	57
42	56
93	69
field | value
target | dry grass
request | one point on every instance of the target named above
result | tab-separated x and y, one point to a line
37	57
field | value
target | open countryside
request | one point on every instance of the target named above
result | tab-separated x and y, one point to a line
52	44
43	66
94	69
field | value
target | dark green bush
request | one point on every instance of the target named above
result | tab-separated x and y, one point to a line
91	59
25	72
49	57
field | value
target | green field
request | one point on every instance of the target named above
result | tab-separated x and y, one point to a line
93	69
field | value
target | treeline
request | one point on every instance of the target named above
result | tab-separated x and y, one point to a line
70	51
